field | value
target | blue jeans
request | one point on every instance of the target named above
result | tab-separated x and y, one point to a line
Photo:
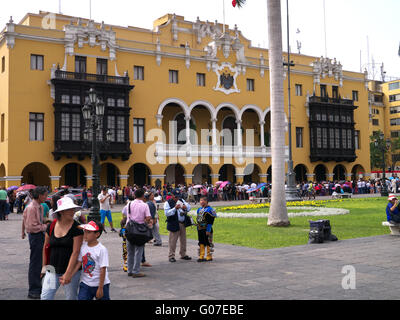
104	214
51	284
85	204
36	241
89	293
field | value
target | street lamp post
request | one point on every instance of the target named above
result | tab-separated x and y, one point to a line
291	189
383	147
93	113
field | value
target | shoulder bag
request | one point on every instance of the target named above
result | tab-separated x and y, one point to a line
47	248
137	233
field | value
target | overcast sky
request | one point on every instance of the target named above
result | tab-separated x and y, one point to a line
348	23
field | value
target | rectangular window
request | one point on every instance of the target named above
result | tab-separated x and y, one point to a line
80	64
111	126
344	138
325	138
299	90
173	76
299	137
65	98
395	122
349	139
323	91
138	130
36	126
201	79
2	127
138	73
121	102
65	126
394	110
337	138
355	95
335	92
37	62
76	127
395	134
250	84
332	138
357	139
101	66
394	85
110	102
76	99
375	122
121	129
319	140
3	64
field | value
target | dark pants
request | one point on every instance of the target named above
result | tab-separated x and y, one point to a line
89	293
36	241
3	205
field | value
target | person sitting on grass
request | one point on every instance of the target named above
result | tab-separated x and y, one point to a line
392	210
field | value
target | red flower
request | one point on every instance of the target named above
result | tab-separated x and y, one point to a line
234	3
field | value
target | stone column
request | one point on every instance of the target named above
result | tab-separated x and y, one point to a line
12	181
349	176
310	177
263	177
214	178
154	177
55	182
187	130
214	131
239	177
262	123
330	176
239	133
123	180
189	178
89	181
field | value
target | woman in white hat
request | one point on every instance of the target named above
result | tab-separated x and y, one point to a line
392	210
65	240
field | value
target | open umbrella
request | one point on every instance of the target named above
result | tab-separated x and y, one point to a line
251	190
218	183
12	188
260	185
224	184
26	187
198	186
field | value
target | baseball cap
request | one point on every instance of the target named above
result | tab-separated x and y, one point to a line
91	226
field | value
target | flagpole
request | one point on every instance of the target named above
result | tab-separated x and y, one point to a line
223	10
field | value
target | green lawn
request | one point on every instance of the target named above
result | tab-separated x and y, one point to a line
364	220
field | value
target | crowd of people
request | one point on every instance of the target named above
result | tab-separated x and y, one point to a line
65	249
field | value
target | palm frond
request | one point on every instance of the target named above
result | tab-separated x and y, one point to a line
240	3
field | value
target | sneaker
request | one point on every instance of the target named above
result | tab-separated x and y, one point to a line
157	244
186	258
104	230
113	230
138	275
201	260
172	260
130	274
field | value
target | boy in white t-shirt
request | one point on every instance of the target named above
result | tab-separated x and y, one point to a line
94	260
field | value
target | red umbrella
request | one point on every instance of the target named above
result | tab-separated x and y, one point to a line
26	187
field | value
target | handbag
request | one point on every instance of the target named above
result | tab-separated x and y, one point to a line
137	233
47	248
188	221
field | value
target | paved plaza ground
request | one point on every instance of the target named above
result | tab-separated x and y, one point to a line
299	272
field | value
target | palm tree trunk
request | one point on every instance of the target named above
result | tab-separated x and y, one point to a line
278	212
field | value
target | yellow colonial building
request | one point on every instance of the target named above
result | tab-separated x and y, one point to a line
185	102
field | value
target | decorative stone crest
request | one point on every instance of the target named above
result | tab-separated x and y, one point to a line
89	35
325	67
226	75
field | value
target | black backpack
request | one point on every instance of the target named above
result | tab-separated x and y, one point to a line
320	231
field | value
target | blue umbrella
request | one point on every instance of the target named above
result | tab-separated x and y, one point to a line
251	190
260	185
12	188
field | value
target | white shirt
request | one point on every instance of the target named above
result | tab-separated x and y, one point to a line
106	204
93	259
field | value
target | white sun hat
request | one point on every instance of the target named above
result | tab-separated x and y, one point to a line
66	203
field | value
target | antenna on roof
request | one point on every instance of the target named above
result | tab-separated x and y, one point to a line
59	6
90	9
